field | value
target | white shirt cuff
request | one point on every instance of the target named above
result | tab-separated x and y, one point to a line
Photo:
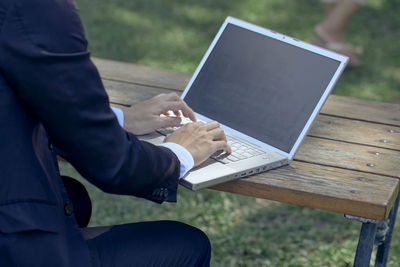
120	115
183	155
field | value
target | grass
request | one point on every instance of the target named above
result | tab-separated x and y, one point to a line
176	34
243	231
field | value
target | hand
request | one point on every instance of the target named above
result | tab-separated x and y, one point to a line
144	117
200	139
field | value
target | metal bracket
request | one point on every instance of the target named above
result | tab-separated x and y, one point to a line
381	230
360	219
378	232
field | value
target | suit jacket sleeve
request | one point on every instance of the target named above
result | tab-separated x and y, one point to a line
47	64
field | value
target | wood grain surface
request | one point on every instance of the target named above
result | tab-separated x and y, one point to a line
139	74
354	108
358	132
348	163
129	94
350	156
341	106
350	192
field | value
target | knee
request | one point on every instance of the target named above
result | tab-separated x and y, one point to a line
204	249
200	241
195	241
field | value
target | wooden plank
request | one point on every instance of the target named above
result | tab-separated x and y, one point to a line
354	108
325	126
350	156
129	94
140	74
327	152
341	106
349	192
354	131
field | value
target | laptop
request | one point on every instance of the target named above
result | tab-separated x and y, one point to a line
265	89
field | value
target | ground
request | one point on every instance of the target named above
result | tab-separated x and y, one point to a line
243	231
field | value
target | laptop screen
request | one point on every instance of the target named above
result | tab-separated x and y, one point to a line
260	86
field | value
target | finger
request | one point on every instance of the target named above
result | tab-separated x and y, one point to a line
183	107
168	121
177	113
160	102
176	100
171	105
223	136
186	110
222	145
172	97
159	96
178	106
194	126
212	125
217	134
198	124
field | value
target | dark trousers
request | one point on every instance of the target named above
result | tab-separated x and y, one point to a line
158	243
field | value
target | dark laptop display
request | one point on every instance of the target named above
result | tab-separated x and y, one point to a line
261	86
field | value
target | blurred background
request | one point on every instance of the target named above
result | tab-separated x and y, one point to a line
174	35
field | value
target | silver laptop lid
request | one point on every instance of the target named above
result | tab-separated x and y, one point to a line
263	86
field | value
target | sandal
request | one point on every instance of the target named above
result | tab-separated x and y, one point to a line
341	48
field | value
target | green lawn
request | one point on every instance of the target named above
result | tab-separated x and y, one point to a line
174	35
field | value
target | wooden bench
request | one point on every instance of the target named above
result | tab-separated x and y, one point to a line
348	163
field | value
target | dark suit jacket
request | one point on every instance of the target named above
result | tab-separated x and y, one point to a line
52	101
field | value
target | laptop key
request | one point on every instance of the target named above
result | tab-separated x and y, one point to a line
247	155
232	158
168	130
254	152
224	158
225	161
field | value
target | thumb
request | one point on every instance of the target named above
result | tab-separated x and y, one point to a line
169	121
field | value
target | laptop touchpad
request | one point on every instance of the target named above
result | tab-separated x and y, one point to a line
208	170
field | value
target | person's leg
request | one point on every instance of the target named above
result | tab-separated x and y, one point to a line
332	28
329	5
330	32
160	243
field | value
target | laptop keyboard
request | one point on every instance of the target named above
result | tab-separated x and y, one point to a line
240	149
